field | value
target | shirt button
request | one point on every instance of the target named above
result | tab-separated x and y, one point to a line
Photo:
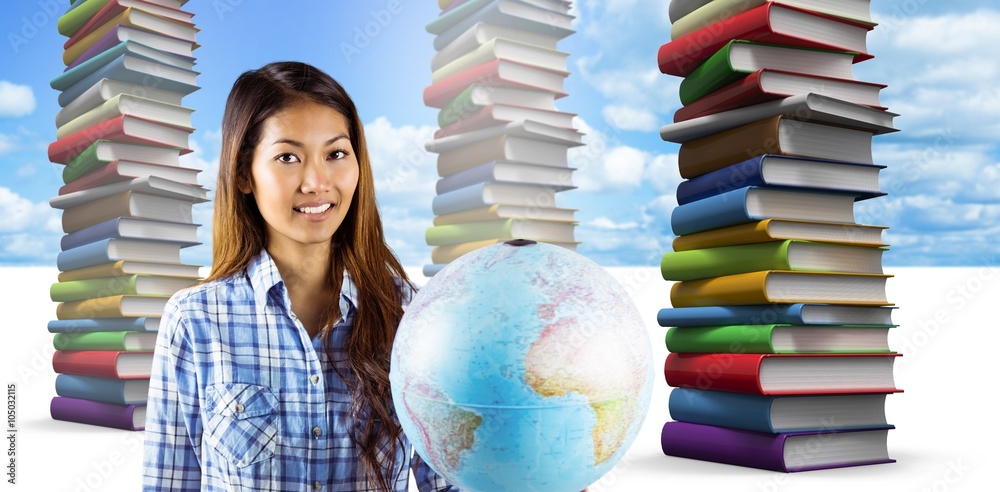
317	485
317	432
238	408
314	379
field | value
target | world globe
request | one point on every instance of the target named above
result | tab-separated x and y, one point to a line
521	366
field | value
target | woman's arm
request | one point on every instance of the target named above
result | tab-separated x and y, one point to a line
172	456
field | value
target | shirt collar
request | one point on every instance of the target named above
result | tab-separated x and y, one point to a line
263	275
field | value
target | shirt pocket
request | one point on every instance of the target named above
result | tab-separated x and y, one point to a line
242	422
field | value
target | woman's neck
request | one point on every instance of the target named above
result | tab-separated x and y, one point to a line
303	269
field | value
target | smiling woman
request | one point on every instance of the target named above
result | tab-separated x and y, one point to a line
272	374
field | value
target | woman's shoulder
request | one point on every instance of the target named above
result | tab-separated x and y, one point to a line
211	292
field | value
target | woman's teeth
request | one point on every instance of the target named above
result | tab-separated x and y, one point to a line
314	210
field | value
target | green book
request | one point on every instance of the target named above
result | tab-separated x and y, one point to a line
141	285
72	20
779	339
460	107
778	255
105	340
537	230
84	163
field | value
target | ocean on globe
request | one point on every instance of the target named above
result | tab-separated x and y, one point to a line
521	366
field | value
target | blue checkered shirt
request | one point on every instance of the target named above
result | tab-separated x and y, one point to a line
240	397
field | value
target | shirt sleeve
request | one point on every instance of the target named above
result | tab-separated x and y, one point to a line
427	479
172	454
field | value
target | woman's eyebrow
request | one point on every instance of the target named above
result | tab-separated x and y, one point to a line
296	143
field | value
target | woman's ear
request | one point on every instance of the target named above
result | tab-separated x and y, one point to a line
244	186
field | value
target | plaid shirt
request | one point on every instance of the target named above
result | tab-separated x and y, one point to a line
240	397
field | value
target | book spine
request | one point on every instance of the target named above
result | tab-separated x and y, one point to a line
90	341
464	179
464	233
101	307
92	325
715	73
788	314
711	153
83	256
720	372
744	92
722	445
92	388
65	149
463	105
713	212
740	289
94	412
441	93
105	230
734	339
728	260
461	199
721	409
98	363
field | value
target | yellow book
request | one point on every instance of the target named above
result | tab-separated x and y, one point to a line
443	4
122	268
131	18
124	306
780	230
778	286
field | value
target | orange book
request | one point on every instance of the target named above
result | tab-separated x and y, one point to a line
782	229
778	286
123	306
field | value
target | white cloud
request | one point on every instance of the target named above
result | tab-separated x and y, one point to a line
945	34
630	118
26	171
662	174
7	144
399	161
16	100
608	224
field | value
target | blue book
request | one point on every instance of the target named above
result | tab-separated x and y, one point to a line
73	75
859	180
111	250
128	227
91	325
785	314
110	390
755	203
778	414
127	68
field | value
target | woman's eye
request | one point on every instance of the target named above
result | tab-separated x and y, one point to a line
287	158
338	154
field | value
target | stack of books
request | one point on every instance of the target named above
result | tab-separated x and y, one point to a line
126	203
780	320
502	144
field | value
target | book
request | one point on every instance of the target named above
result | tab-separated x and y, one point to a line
76	18
720	10
528	129
778	339
104	363
141	285
110	250
504	49
781	287
448	253
112	8
125	104
498	73
178	50
146	185
779	230
778	255
136	175
127	204
678	9
778	135
479	96
82	69
789	314
102	152
751	204
107	48
778	171
500	114
536	230
112	306
121	391
558	178
80	42
777	414
783	374
123	128
93	325
106	89
493	212
502	148
130	267
772	23
134	70
493	193
785	452
807	107
481	33
129	417
129	228
738	58
515	14
119	340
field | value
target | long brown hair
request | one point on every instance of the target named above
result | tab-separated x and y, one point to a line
358	247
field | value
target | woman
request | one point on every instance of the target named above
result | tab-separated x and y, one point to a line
272	373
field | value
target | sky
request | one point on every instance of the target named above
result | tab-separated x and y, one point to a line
942	179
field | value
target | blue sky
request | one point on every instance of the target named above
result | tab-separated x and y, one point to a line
943	174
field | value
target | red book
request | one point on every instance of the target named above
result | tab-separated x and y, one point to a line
770	23
782	374
114	7
122	128
503	73
104	363
119	170
754	89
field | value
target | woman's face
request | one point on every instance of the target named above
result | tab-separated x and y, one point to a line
304	174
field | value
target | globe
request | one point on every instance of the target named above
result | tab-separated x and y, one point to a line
521	366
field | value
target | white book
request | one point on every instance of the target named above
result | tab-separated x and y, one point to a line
480	33
494	212
156	41
148	185
451	252
487	194
510	13
110	150
680	8
506	49
126	104
104	90
559	178
524	129
127	204
502	148
809	107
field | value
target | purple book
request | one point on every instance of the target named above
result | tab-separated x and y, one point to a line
128	417
787	452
